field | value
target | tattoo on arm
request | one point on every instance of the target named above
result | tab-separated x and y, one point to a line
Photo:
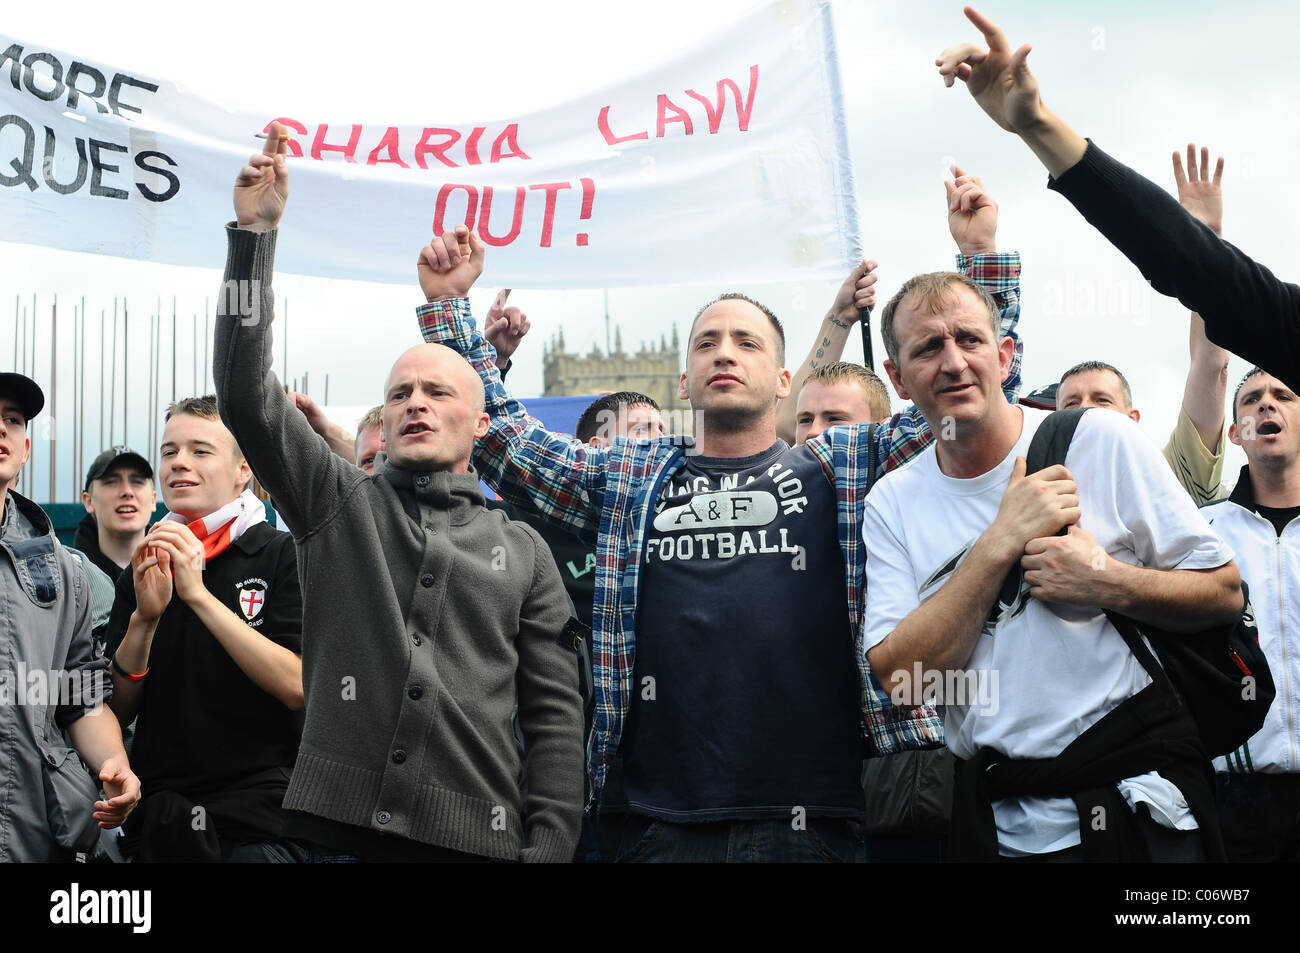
837	322
821	353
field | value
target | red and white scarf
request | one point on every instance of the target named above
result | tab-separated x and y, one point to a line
220	528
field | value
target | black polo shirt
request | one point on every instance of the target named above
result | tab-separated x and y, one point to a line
204	726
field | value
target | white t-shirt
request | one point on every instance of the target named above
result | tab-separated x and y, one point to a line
1045	672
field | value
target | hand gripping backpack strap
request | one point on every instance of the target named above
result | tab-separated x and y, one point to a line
1219	675
1050	444
1048	448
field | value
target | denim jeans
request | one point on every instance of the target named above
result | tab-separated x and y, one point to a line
255	852
326	856
817	840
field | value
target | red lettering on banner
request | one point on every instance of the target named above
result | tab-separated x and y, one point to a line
389	142
485	219
438	151
440	206
294	148
715	112
588	198
471	146
667	111
679	115
478	215
319	145
552	189
603	122
742	112
435	141
507	139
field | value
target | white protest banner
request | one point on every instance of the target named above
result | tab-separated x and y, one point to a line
728	163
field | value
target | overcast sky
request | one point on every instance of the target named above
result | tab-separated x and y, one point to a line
1141	78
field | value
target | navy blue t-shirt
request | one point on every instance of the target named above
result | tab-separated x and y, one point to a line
746	700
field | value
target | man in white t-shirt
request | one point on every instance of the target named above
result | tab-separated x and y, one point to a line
1026	680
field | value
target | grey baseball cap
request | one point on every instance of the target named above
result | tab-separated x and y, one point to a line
111	458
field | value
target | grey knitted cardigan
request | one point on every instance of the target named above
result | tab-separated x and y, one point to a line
426	620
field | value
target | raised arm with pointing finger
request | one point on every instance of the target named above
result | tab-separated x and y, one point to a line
1001	83
1245	307
504	328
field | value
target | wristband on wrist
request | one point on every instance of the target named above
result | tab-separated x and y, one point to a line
124	673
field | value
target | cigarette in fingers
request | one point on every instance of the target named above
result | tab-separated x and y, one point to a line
283	137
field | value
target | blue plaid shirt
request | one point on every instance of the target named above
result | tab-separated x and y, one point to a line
612	492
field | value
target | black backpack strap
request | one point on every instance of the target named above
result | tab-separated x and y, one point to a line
1048	448
1052	439
1132	636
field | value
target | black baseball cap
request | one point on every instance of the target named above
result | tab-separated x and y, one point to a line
111	458
25	391
1044	398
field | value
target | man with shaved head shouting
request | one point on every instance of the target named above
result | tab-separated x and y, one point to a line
428	619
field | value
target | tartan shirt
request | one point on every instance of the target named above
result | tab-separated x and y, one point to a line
612	491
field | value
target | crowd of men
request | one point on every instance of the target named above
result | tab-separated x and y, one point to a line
812	630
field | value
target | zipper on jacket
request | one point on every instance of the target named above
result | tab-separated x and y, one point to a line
1286	667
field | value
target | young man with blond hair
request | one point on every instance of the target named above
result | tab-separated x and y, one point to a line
839	393
205	644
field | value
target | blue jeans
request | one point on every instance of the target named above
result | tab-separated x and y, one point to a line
324	856
255	852
819	840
